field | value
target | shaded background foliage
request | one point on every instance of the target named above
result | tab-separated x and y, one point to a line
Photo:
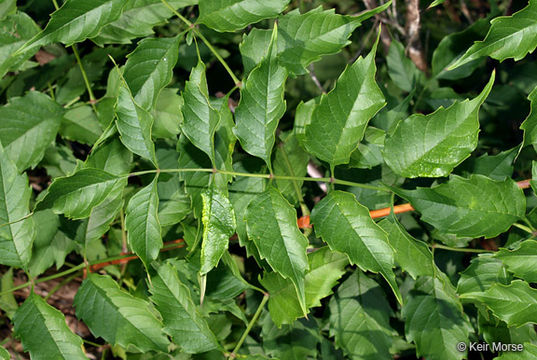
363	318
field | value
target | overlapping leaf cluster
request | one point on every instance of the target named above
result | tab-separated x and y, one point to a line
204	180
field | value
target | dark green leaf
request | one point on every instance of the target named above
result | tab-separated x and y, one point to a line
262	104
346	226
232	15
432	145
271	225
142	223
44	332
117	316
338	123
474	207
182	320
520	261
29	125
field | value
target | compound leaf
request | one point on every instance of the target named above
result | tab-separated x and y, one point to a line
338	123
137	20
149	69
432	145
16	237
219	225
29	125
76	195
200	117
360	318
325	269
271	225
182	320
424	312
473	207
142	223
232	15
346	226
262	105
516	303
44	332
509	37
411	254
134	125
128	319
520	261
76	21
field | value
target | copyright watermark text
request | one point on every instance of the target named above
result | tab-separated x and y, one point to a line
494	347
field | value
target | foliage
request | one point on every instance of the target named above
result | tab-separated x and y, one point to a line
228	179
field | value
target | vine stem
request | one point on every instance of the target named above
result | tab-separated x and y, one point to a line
205	41
264	176
465	250
250	325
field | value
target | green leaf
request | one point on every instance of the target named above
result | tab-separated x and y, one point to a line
369	152
137	20
142	223
360	318
325	269
520	261
149	69
307	37
453	46
401	69
4	354
44	332
338	123
509	37
134	125
218	226
496	167
29	125
80	124
529	353
346	226
182	320
436	3
411	254
111	157
432	145
200	118
16	29
76	21
7	7
262	104
474	207
76	195
8	304
435	323
167	114
530	124
290	160
16	237
516	303
483	272
117	316
232	15
51	245
174	203
101	218
271	225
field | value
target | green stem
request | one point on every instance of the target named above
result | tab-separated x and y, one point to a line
523	227
466	250
61	284
204	39
264	176
250	325
82	70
